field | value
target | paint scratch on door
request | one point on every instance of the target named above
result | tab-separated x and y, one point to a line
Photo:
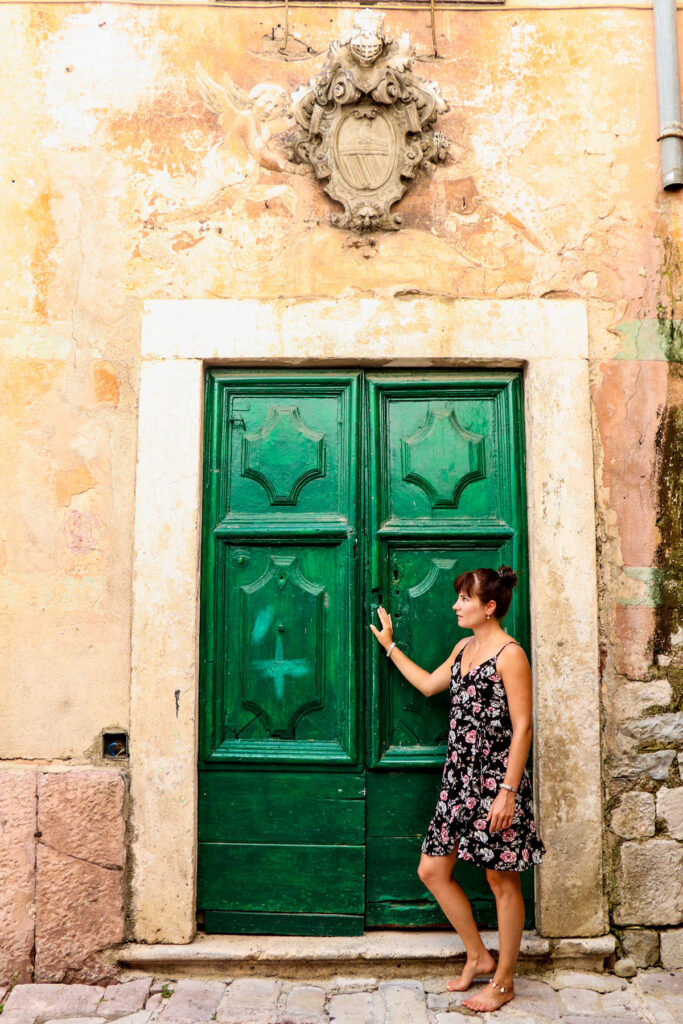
279	668
262	624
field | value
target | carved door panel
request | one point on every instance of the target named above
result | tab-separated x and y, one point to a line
281	789
446	495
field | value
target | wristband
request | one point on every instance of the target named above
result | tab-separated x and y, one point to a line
504	785
390	649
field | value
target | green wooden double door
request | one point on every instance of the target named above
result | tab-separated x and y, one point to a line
326	494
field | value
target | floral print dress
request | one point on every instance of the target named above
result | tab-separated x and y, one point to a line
478	744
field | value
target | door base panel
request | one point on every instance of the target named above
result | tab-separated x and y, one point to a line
221	922
290	879
406	915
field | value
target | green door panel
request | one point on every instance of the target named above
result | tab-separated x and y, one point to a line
282	878
396	823
446	495
285	687
286	448
416	582
225	922
440	444
280	641
320	808
396	898
280	579
400	805
325	495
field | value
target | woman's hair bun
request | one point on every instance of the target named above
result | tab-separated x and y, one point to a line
508	576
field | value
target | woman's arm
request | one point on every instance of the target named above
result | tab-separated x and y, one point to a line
427	683
513	668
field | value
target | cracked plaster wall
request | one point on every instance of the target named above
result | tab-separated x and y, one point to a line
121	185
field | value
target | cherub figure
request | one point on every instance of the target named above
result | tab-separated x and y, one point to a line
252	120
238	169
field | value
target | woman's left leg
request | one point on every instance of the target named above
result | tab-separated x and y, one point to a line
507	889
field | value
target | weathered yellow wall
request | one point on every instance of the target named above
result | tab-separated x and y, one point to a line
120	185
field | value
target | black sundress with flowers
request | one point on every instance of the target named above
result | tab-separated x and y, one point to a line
478	744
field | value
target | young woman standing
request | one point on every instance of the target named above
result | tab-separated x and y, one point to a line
484	813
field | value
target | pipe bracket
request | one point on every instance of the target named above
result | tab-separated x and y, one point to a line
673	130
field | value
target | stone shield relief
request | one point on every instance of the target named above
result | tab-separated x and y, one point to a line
366	124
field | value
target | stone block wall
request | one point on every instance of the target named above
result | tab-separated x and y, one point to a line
642	672
62	860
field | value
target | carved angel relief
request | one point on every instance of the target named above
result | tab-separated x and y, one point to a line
256	118
366	124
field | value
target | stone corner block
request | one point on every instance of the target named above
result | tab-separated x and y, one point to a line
80	813
650	883
79	913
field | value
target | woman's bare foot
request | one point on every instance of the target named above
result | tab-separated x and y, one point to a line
484	964
490	998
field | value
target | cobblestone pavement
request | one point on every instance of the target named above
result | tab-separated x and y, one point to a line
569	997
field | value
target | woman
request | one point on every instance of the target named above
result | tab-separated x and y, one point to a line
485	809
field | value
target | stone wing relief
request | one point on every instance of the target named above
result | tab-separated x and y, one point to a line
244	166
246	188
253	118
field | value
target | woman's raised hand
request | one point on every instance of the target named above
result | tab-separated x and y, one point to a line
387	631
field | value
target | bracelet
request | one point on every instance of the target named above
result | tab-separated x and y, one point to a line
390	649
504	785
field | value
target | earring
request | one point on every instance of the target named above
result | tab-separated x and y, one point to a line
488	615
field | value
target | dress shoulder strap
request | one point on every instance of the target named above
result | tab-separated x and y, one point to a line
507	644
460	653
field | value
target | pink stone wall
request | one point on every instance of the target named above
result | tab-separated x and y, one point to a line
62	857
17	873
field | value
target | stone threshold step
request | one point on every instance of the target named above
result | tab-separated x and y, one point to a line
379	952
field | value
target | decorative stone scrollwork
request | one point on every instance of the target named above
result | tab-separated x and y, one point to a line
366	124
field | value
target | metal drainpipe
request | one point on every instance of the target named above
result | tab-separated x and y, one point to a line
668	93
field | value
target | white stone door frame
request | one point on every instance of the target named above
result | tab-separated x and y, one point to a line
548	339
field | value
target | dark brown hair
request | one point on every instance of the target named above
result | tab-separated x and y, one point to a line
489	585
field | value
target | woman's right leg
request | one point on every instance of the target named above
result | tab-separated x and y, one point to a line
437	874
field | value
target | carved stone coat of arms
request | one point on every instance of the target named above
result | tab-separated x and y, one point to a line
366	124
